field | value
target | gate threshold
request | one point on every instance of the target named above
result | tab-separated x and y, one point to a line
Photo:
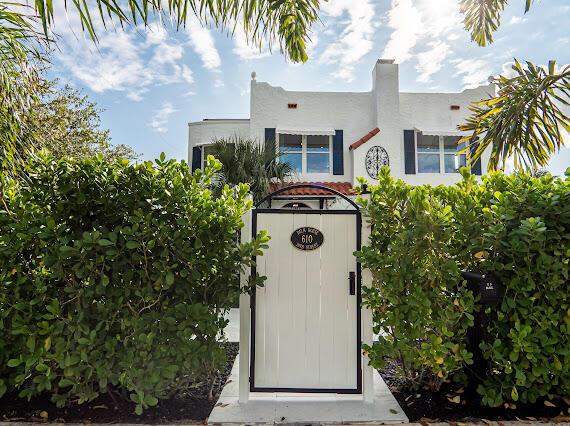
290	408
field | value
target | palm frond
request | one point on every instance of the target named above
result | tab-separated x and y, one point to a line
20	47
483	17
249	161
524	121
283	22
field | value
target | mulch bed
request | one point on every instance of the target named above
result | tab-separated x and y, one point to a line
189	405
426	406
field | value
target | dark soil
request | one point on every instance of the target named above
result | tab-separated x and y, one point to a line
427	406
189	405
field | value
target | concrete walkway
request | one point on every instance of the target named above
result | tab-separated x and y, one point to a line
274	408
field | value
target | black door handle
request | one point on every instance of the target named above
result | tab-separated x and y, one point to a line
352	283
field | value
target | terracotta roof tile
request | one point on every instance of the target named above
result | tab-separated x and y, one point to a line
365	138
342	187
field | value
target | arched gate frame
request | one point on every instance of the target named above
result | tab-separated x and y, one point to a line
248	305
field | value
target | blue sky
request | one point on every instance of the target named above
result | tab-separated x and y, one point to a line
152	82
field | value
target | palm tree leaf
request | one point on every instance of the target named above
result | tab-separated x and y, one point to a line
524	121
249	161
283	22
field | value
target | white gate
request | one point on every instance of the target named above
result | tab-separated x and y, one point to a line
305	321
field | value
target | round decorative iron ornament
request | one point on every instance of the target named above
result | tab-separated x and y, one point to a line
307	238
376	157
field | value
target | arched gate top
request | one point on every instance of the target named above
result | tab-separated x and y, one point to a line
307	185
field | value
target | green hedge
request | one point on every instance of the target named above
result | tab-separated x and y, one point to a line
115	277
516	226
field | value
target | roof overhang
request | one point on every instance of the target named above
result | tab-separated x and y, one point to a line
304	131
444	133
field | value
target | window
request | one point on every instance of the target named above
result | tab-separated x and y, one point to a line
318	154
306	154
439	154
206	150
453	161
291	149
428	154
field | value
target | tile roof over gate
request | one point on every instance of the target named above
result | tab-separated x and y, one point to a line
344	188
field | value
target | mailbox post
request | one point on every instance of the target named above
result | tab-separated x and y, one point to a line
490	289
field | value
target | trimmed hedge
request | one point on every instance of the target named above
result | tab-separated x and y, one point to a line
516	226
115	277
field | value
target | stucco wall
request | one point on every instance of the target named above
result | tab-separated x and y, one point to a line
204	132
421	111
356	113
352	112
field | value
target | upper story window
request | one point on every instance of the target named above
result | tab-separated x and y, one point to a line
206	150
439	154
291	149
307	153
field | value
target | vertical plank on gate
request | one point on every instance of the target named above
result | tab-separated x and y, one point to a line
288	344
260	307
244	320
367	334
312	316
340	300
352	305
326	303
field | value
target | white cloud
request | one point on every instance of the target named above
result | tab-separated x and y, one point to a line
431	61
218	83
202	42
187	74
473	72
244	49
517	20
130	61
161	116
423	32
407	23
355	40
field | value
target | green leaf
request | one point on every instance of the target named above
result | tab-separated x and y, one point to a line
150	400
104	242
132	245
169	278
14	362
514	394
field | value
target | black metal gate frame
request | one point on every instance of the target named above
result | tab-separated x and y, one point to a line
356	211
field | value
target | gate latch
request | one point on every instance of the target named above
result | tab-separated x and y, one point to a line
352	283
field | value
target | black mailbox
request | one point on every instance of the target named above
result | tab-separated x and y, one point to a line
490	289
487	285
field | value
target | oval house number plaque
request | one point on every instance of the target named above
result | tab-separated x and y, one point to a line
307	238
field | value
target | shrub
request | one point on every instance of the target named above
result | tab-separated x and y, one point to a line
516	226
115	278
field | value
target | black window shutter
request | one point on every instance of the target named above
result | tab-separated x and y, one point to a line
196	158
270	139
410	152
476	167
338	153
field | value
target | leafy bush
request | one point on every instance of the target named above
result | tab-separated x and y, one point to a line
115	278
422	237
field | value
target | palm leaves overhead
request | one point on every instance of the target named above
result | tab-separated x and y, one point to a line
19	42
285	22
483	17
247	160
524	121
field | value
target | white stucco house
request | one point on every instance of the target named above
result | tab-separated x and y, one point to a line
331	138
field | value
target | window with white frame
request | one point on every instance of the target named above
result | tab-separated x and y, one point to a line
206	150
306	153
439	154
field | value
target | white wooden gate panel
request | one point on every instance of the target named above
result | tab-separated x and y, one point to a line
305	318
